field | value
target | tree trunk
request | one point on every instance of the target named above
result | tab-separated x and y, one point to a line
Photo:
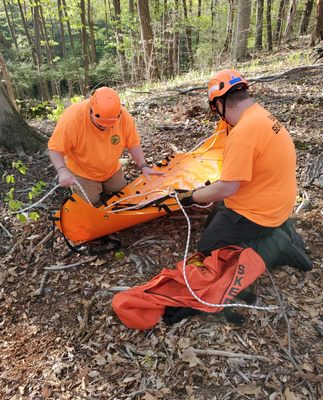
290	20
44	92
134	56
259	24
15	134
176	40
280	18
147	40
240	48
24	23
188	31
317	34
85	83
69	27
269	31
91	30
54	86
10	25
230	21
306	17
119	40
7	80
199	13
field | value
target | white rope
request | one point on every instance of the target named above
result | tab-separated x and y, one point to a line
48	194
135	206
230	305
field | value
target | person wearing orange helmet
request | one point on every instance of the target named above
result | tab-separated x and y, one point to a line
257	189
88	142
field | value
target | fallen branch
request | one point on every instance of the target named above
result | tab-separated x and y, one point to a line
60	267
252	81
6	230
229	354
40	290
86	316
46	238
285	74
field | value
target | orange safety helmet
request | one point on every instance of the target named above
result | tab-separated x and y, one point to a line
105	106
223	81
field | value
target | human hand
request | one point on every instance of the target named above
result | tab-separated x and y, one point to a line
146	171
186	198
65	177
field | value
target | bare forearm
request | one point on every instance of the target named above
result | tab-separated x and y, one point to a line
65	177
57	159
138	155
217	191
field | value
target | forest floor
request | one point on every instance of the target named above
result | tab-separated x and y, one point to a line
51	349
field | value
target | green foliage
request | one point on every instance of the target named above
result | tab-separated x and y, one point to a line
58	110
55	114
20	167
39	110
16	205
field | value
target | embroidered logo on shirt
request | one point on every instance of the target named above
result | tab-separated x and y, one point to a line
115	139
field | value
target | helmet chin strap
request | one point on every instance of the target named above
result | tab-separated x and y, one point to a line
223	102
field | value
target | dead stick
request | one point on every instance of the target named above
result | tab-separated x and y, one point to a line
60	267
40	290
46	238
18	243
211	352
85	320
6	230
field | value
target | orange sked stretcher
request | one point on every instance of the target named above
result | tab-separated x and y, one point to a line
81	222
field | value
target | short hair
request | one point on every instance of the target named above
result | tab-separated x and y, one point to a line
234	97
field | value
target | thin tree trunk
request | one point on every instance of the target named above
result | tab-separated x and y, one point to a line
280	18
230	22
61	28
30	43
70	34
269	29
306	17
199	14
44	93
63	41
53	83
176	40
240	48
147	37
317	34
85	55
290	20
119	40
134	57
91	30
259	24
10	25
188	31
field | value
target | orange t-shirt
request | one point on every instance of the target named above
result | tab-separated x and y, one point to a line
260	153
90	152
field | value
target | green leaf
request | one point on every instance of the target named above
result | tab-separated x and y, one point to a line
21	218
34	216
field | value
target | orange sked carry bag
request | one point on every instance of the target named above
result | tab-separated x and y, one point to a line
217	279
80	222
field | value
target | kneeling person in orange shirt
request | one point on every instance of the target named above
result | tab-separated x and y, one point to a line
88	142
256	192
